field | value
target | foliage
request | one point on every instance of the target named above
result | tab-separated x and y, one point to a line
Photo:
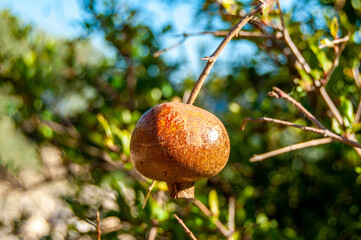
62	93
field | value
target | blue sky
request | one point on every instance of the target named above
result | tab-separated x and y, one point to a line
62	18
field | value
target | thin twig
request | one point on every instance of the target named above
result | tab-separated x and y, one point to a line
323	132
221	33
212	59
336	61
358	113
99	231
278	93
209	214
352	137
356	76
148	193
312	143
331	105
186	229
231	216
291	44
334	42
160	52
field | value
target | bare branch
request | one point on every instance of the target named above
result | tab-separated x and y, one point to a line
97	225
334	42
323	132
356	76
331	105
99	231
358	113
258	9
158	53
209	214
186	229
291	44
312	143
148	193
241	34
278	93
352	137
338	52
231	216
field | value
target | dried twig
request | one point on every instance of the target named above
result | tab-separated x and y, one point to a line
148	193
186	229
212	59
331	105
209	214
323	132
307	68
356	76
312	143
358	113
97	225
241	34
336	61
99	231
291	44
278	93
334	42
231	216
160	52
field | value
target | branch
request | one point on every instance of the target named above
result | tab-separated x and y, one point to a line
334	42
331	105
234	32
356	76
278	93
241	34
231	216
186	229
312	143
291	44
358	113
158	53
209	214
99	231
338	52
148	193
323	132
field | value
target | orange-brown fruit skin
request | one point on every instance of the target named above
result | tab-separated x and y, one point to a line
179	143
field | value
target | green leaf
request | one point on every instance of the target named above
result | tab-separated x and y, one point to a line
321	56
336	126
229	6
213	203
105	125
334	26
124	136
347	109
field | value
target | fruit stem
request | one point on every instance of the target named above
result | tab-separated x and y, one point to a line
181	190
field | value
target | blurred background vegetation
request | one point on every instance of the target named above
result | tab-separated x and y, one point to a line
67	112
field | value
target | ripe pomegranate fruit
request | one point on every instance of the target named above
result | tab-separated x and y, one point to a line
179	144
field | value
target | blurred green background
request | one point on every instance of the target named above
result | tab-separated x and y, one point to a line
68	105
